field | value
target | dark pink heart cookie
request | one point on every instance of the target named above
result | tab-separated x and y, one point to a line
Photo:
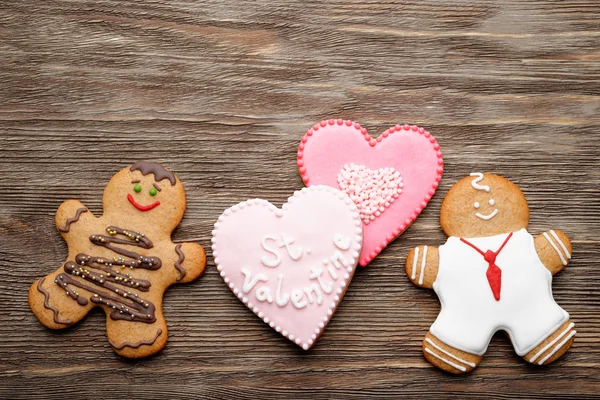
391	178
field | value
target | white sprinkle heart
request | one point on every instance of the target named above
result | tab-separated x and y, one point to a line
373	191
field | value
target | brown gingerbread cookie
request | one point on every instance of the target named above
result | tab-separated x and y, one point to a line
122	261
492	275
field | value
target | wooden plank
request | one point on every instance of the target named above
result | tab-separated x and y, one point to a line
221	92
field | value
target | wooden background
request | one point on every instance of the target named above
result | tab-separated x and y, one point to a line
221	92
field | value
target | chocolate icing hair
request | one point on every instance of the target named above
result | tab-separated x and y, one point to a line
156	169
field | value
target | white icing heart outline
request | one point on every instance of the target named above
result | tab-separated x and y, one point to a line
343	284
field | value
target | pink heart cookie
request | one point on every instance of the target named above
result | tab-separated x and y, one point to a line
290	266
391	178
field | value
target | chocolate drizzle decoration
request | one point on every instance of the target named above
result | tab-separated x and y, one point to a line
136	345
156	169
98	271
179	261
48	306
67	227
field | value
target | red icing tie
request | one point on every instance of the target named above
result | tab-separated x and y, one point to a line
493	273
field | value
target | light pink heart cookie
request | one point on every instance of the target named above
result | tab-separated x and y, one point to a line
290	266
342	154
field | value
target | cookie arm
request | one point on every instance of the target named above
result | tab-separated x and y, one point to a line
554	250
190	263
69	213
422	265
52	308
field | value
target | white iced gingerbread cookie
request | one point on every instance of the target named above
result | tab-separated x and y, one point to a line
491	275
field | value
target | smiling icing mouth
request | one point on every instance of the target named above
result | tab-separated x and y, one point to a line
489	216
140	206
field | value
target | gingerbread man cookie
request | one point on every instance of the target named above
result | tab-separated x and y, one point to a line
122	261
492	275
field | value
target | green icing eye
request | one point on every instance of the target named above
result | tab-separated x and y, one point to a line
137	188
153	192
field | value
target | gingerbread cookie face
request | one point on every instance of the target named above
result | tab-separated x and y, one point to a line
122	261
483	205
492	275
147	194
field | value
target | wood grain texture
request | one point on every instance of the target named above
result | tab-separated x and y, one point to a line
221	92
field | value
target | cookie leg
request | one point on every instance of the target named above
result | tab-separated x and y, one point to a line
554	346
447	357
136	339
52	307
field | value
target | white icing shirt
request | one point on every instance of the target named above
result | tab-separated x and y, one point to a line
470	315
